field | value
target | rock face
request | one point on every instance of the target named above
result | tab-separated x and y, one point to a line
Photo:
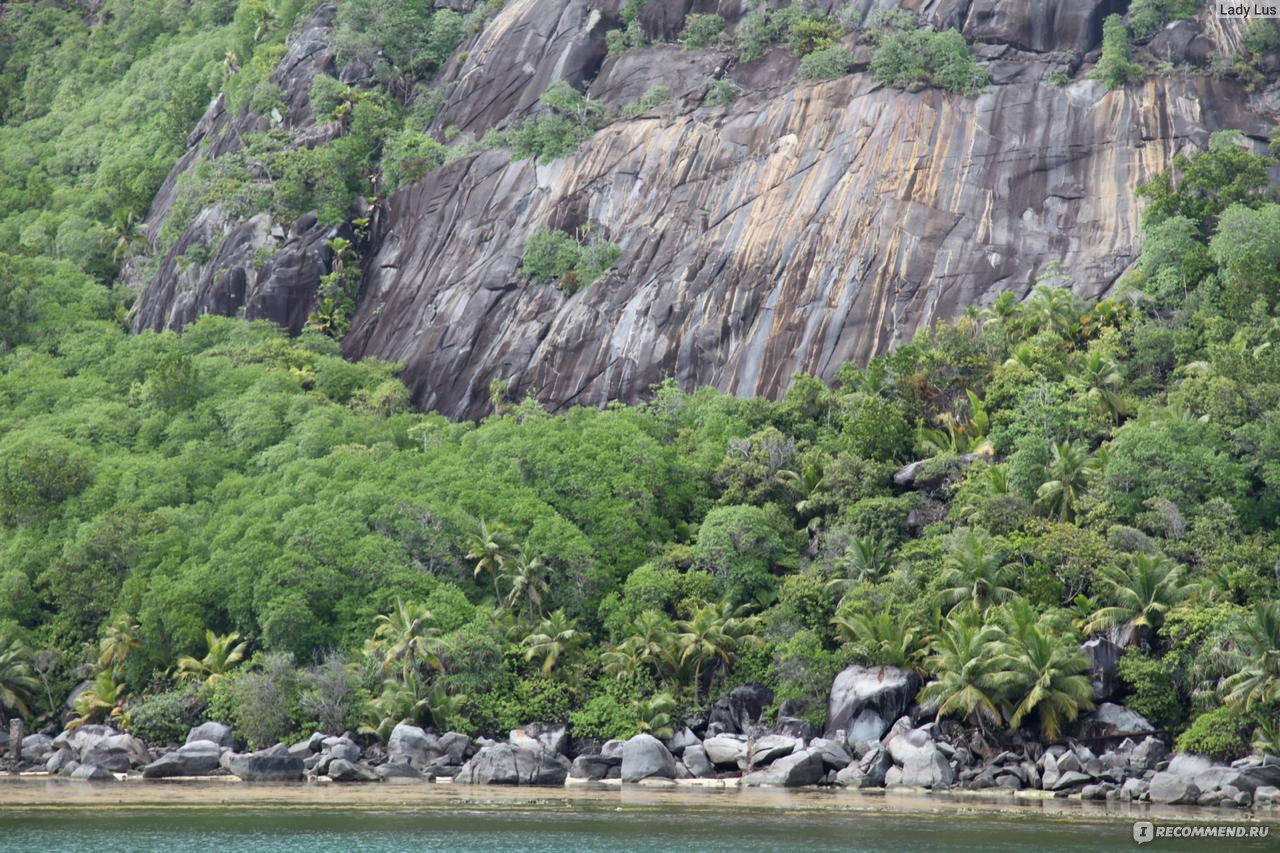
1104	667
740	708
865	701
800	227
1111	720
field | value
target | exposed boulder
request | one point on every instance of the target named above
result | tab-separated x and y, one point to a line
538	735
196	758
414	746
592	767
504	764
1104	668
644	757
791	771
696	761
218	733
682	740
834	755
725	750
456	746
741	708
398	771
58	759
865	700
91	773
1172	789
341	770
768	749
1149	753
36	748
1111	720
796	727
267	765
870	771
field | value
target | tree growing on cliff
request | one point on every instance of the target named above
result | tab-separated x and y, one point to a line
1141	595
1114	69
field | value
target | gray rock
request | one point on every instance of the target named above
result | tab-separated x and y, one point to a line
394	771
928	770
219	733
69	768
412	745
90	773
1148	754
535	735
455	746
1134	789
863	698
791	771
504	764
113	758
196	758
644	757
1111	720
834	755
1104	667
58	759
267	766
696	761
796	727
1173	789
1067	779
768	749
682	740
341	770
612	749
725	749
917	743
741	708
871	771
591	767
1266	795
36	748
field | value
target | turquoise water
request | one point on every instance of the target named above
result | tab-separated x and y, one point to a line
534	830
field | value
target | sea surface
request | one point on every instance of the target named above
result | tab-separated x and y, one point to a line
193	820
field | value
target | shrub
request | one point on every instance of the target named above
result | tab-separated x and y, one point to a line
1154	694
410	156
652	97
826	63
720	93
809	33
551	255
701	30
1220	734
739	545
570	119
261	705
164	718
1147	17
1114	68
1260	37
914	59
332	695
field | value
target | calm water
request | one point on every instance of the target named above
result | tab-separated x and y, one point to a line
532	829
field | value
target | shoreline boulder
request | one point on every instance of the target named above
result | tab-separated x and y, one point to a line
865	701
267	766
645	757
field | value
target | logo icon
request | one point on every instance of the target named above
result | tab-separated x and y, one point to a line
1143	831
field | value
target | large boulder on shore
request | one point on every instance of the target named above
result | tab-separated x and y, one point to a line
215	732
411	745
504	764
36	748
865	701
1172	789
535	735
740	708
341	770
196	758
645	757
870	771
768	749
592	768
725	750
267	766
92	773
791	771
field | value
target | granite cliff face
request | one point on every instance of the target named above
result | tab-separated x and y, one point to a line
802	226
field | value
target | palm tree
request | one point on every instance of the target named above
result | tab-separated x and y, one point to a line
974	571
408	636
1257	681
528	582
653	645
17	683
655	715
866	558
1055	308
556	641
804	486
713	636
100	700
883	640
1044	674
1140	595
487	547
1102	378
964	661
224	654
118	642
1069	473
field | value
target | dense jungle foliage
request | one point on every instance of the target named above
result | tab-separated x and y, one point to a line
230	523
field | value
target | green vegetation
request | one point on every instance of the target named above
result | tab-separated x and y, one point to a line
1261	37
1114	68
721	93
574	262
652	97
1148	17
910	58
568	119
237	524
701	31
826	63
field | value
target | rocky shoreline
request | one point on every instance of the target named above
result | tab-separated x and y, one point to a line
876	740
